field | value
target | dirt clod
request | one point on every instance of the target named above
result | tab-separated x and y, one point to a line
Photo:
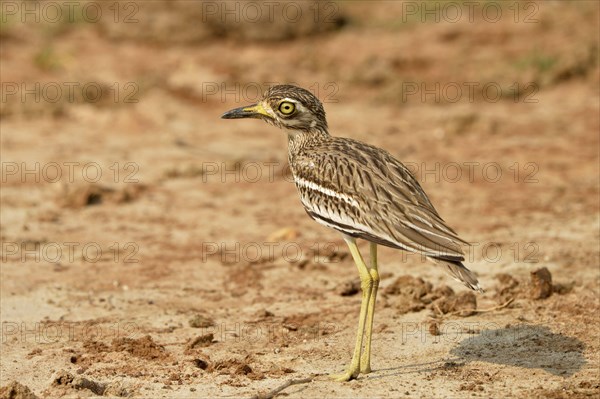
117	388
16	390
62	378
84	383
235	367
200	363
541	284
201	341
412	287
95	346
244	369
200	321
463	304
67	380
144	347
414	294
409	291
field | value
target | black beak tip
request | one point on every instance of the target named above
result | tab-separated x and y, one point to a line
236	113
232	113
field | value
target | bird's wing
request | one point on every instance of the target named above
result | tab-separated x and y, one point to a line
364	192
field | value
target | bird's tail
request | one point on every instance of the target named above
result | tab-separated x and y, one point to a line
460	273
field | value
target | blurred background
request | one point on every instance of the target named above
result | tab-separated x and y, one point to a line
135	221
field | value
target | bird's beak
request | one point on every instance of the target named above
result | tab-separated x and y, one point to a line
250	111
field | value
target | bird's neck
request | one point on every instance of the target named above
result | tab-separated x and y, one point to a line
298	140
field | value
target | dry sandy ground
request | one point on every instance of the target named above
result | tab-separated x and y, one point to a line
189	269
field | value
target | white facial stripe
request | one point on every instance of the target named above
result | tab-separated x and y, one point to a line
299	106
294	122
270	111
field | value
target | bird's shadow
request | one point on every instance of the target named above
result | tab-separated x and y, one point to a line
526	346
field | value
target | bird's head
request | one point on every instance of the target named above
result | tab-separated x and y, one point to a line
288	107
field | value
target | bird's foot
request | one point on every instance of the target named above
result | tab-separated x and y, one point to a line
346	376
350	374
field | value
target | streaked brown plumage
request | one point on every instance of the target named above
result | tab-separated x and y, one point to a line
357	189
392	208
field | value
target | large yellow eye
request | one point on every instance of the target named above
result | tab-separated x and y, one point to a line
287	108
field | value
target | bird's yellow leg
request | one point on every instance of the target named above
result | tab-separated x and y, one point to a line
366	284
365	360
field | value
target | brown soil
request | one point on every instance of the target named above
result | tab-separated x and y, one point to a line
180	272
